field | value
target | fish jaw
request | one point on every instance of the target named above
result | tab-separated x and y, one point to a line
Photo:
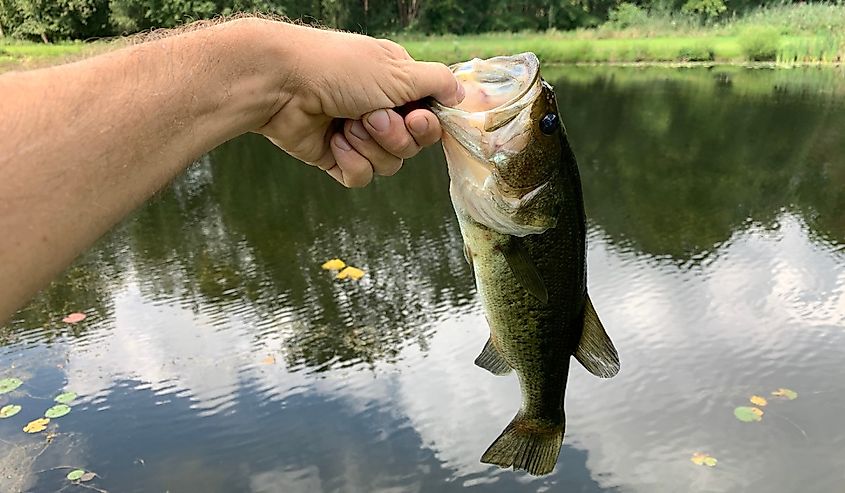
474	192
483	134
496	110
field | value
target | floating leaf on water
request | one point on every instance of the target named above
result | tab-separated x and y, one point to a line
75	475
269	360
36	425
786	394
88	476
9	384
703	459
65	397
759	401
9	410
748	414
74	318
350	272
334	264
57	411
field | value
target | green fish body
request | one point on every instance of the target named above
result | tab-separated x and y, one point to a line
517	195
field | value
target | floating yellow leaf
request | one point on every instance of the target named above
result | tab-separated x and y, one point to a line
269	360
756	410
703	459
334	264
36	425
350	272
786	394
760	401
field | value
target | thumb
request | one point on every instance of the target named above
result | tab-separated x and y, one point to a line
435	79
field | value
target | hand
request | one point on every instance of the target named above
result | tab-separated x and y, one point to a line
338	110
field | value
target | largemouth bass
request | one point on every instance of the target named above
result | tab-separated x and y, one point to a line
516	191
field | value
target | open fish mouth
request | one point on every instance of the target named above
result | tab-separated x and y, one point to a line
483	134
491	118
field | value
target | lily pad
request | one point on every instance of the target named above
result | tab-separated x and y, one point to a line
9	410
786	394
353	273
65	397
748	414
9	384
703	459
36	425
334	264
57	411
758	400
88	476
75	475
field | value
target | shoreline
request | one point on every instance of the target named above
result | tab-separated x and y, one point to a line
562	49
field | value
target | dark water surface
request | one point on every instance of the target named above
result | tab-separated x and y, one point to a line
716	206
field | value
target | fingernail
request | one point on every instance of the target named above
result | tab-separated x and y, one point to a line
380	120
357	129
418	125
461	94
341	142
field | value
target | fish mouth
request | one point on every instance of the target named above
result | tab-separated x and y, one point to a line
497	91
484	132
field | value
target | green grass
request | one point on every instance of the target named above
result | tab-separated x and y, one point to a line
552	48
26	54
789	35
795	34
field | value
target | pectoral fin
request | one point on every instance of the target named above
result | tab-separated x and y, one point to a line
525	271
596	351
492	360
467	254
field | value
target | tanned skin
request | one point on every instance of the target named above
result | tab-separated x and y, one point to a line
84	144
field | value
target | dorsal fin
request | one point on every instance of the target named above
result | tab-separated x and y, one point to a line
595	350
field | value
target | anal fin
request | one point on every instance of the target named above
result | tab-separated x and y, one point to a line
595	350
492	360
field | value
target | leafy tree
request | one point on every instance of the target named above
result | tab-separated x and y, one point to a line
55	19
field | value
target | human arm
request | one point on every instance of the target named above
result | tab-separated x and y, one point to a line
84	144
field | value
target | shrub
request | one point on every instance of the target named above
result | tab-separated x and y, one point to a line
709	9
760	43
697	52
627	15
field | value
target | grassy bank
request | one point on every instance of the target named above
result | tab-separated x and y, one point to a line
789	35
554	48
795	34
14	54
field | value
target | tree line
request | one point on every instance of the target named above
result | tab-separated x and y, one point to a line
50	20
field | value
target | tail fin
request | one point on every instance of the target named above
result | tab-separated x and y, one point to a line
526	444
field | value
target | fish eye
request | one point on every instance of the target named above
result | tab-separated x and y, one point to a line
549	123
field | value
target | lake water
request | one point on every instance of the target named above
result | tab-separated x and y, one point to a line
218	356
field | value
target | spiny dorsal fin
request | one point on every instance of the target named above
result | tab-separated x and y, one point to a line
525	271
492	360
596	351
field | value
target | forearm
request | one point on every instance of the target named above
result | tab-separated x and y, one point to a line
84	144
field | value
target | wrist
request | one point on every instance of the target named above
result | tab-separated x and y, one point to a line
251	73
